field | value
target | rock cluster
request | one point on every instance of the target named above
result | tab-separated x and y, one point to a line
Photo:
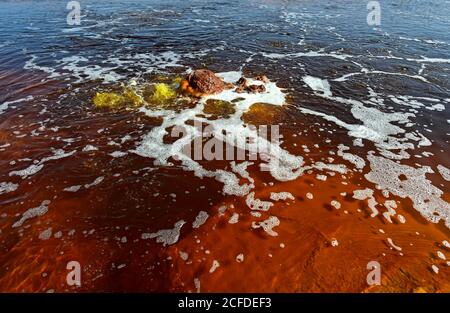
205	82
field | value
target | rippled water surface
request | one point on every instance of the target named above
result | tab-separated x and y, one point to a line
361	174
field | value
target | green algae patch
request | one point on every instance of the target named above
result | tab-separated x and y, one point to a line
219	108
108	100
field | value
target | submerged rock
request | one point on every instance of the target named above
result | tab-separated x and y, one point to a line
219	108
243	85
262	78
263	114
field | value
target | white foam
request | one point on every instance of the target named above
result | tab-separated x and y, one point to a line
336	204
166	236
408	182
390	205
4	106
109	68
118	154
31	213
97	181
311	54
29	171
445	172
257	204
339	168
234	218
281	164
200	219
277	196
378	128
7	187
46	234
268	225
89	148
74	188
34	168
430	60
215	265
367	194
354	159
318	84
184	255
391	243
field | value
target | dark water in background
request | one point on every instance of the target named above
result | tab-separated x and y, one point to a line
401	67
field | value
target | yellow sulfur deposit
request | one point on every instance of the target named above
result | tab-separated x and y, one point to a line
162	92
177	80
159	94
132	98
113	100
108	100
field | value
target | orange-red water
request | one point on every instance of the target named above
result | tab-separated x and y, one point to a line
101	226
134	198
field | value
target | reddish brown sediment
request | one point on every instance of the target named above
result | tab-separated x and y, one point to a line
134	197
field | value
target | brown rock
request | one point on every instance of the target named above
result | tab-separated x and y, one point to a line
262	78
205	82
242	82
244	87
256	88
241	85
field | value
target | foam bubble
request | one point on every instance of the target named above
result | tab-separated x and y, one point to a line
234	218
257	204
445	172
7	187
97	181
46	234
408	182
391	243
277	196
317	84
200	219
281	164
367	194
215	265
31	213
268	225
166	236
